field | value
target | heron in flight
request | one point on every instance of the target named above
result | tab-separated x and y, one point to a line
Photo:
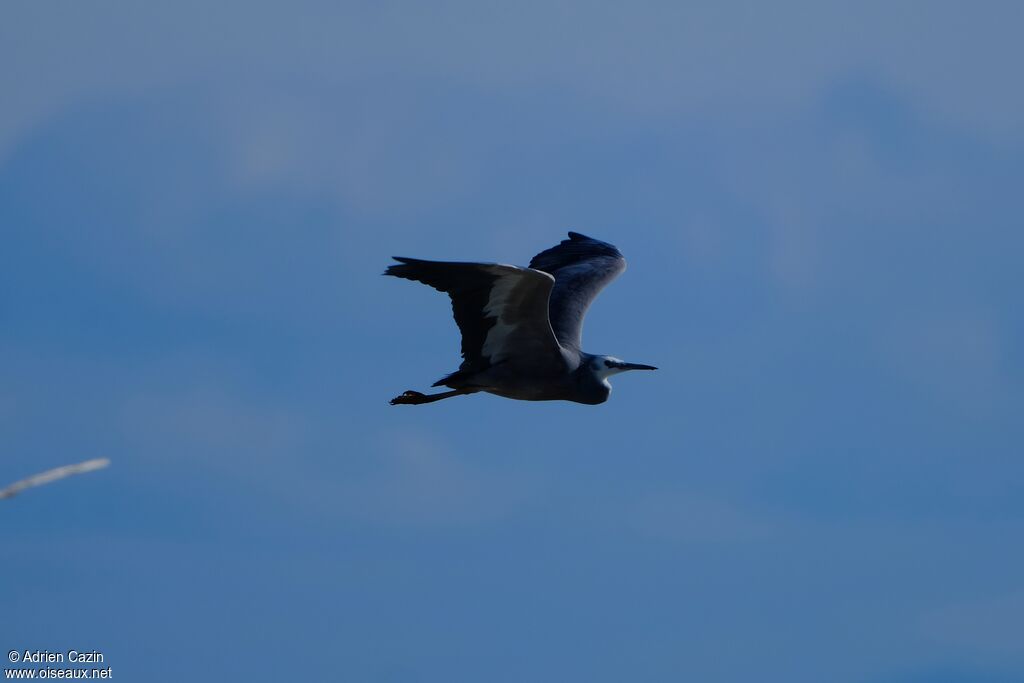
522	327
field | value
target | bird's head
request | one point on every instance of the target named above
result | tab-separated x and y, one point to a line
604	367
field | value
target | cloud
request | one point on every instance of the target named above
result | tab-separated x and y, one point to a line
987	629
318	466
697	517
653	59
415	481
958	357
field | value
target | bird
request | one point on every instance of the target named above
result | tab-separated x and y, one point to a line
522	327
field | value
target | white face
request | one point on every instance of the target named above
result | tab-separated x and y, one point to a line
606	366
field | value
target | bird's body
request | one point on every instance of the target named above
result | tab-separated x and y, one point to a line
522	327
569	380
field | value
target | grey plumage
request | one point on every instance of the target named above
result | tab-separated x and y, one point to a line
522	327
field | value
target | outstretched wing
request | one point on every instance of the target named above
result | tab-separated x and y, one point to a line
581	266
502	311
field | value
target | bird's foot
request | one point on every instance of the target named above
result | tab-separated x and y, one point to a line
415	398
409	398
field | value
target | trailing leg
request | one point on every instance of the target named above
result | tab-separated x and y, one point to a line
415	398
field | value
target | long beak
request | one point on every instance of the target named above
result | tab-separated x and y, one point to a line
637	366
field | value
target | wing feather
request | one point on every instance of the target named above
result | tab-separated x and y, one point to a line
582	266
501	310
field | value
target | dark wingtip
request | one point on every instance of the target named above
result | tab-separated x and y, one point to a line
402	261
578	247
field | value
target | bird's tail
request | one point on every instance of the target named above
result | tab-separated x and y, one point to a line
455	380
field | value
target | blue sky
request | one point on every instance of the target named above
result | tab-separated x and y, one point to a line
821	208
